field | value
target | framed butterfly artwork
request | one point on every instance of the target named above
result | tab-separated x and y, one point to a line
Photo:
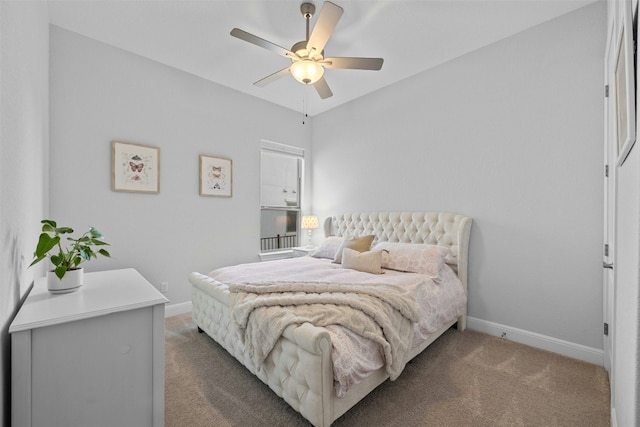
216	176
135	167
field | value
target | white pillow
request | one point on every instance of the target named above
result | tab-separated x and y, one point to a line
414	257
328	248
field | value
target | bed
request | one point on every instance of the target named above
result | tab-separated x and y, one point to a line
299	364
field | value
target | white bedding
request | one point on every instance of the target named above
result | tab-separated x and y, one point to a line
353	356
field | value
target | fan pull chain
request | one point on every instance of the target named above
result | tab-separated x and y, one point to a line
304	110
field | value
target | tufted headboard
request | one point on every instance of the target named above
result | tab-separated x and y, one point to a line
434	228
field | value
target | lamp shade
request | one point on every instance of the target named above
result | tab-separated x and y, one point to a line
309	222
306	71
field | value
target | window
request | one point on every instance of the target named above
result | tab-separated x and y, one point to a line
278	229
280	196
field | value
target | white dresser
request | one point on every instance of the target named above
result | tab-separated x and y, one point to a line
94	357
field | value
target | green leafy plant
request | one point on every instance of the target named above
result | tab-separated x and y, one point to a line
69	258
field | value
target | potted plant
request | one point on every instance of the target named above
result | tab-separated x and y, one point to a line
67	274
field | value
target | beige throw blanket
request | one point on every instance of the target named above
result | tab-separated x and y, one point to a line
380	312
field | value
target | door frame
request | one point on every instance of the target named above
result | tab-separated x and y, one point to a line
609	196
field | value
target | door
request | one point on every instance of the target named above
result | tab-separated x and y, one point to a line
622	225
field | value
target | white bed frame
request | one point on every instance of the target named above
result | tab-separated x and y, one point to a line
299	368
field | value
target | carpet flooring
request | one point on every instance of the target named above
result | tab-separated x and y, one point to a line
463	379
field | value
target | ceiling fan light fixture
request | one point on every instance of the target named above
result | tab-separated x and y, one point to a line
306	71
307	57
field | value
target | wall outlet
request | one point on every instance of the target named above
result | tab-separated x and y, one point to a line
164	287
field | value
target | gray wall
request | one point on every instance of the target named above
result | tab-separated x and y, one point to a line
100	93
511	135
24	136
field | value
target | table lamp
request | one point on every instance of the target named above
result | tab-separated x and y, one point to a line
309	222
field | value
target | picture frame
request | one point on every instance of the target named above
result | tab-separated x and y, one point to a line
216	176
135	167
624	77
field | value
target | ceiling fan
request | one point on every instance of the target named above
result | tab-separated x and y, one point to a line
307	56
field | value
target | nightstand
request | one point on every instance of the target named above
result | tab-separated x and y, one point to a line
302	251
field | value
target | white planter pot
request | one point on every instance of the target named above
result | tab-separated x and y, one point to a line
71	281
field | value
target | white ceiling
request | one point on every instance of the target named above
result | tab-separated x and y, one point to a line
411	36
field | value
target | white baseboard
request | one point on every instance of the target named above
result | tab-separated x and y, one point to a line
566	348
614	419
176	309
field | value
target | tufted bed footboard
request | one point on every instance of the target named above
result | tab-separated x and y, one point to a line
299	368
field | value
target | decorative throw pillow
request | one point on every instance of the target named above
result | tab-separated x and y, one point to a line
368	262
328	248
360	244
414	257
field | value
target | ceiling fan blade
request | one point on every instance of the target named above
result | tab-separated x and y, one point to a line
327	20
354	63
272	77
248	37
323	88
